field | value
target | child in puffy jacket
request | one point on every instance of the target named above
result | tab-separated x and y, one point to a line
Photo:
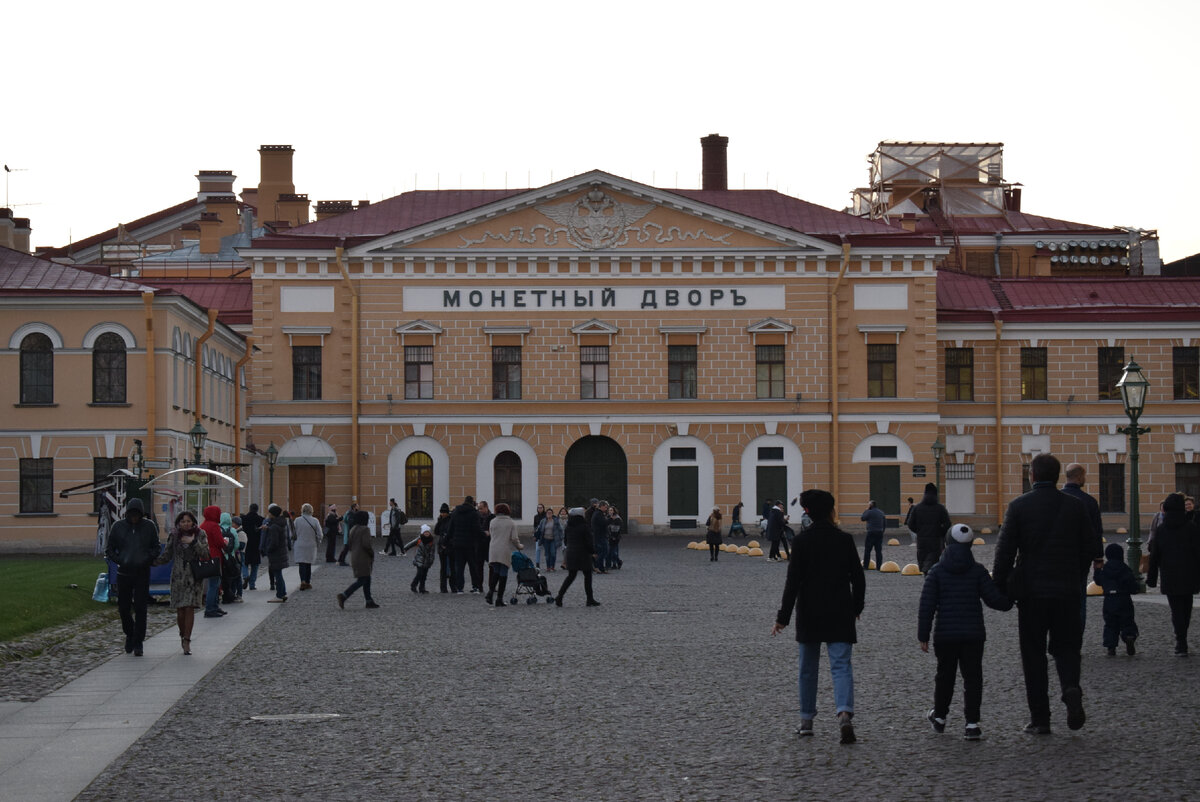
953	589
1116	579
423	559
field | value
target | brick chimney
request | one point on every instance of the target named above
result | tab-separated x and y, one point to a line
6	228
226	207
210	233
293	207
332	208
21	232
275	179
215	182
715	170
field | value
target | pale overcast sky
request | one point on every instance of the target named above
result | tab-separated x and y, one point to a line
112	108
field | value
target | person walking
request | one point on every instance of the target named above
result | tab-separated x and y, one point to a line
216	546
347	523
308	537
776	520
1119	584
952	593
503	543
362	561
827	590
929	520
1076	478
552	535
580	553
1048	533
876	524
186	544
441	538
735	521
275	549
712	535
133	545
1175	558
333	531
252	525
599	522
396	519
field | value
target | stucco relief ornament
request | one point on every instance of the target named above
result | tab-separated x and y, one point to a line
596	220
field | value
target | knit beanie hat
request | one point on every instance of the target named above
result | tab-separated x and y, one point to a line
961	533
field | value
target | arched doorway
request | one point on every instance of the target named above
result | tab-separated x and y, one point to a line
595	467
506	485
418	485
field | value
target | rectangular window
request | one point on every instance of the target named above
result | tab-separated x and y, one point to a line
681	371
1110	363
1026	485
506	372
768	364
306	373
683	453
770	452
101	468
37	480
1033	374
1185	367
881	371
593	371
1187	478
884	452
418	371
1112	488
960	374
955	470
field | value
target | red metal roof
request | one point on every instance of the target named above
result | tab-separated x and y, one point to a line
412	209
234	298
21	273
1011	223
133	226
961	297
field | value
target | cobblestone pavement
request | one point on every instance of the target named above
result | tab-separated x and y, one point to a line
671	690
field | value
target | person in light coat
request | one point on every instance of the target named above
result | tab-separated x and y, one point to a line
308	537
503	543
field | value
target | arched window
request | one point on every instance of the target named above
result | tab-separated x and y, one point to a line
108	369
507	472
418	485
37	369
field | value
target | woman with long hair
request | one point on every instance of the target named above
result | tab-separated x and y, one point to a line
186	544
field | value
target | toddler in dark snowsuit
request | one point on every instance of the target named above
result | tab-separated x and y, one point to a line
1117	580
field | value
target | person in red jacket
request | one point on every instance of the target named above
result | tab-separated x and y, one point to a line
211	527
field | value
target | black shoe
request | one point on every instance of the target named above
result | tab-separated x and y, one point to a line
422	590
1073	699
1111	651
341	598
413	588
593	603
500	603
245	582
371	605
1036	728
558	601
805	729
137	650
973	733
1181	649
212	615
938	724
846	727
128	644
1130	649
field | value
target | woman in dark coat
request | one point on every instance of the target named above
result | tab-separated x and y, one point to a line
581	549
186	544
1175	554
275	548
713	534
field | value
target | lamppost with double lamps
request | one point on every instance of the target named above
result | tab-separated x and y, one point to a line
272	456
1133	387
199	436
939	449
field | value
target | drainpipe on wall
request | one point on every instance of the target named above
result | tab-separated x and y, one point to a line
151	389
996	254
835	430
999	437
355	449
237	419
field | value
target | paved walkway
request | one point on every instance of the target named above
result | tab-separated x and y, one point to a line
671	690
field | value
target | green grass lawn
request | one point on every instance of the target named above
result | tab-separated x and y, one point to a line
35	592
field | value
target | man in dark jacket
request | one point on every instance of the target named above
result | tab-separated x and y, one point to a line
1076	476
930	521
252	525
827	589
952	592
876	522
461	534
599	525
776	520
333	533
133	544
1049	531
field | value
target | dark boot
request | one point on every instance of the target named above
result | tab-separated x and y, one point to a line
501	585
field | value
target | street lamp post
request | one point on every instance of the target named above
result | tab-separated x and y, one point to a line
1133	387
198	435
939	449
272	456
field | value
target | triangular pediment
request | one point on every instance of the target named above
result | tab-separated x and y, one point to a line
770	325
594	213
418	327
595	326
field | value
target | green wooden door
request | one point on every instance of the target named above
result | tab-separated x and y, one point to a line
885	489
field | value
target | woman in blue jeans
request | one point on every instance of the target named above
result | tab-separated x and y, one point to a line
827	589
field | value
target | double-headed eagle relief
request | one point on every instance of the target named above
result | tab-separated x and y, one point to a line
595	221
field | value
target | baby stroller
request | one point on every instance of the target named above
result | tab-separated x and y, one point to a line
529	581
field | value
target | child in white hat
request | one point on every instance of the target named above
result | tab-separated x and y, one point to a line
423	559
952	592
